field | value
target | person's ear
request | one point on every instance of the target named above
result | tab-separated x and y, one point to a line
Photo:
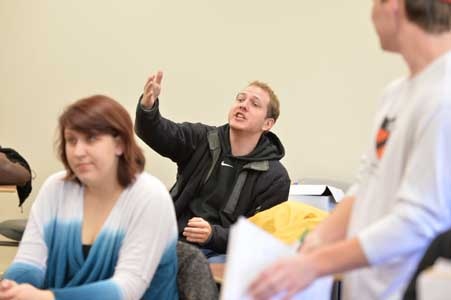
119	146
398	9
268	124
395	6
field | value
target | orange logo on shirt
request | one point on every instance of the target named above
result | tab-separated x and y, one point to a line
382	136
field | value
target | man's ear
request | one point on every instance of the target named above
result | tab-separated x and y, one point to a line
268	124
398	9
396	6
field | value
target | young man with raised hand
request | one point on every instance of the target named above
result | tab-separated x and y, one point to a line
223	172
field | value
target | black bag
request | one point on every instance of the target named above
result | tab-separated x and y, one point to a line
24	190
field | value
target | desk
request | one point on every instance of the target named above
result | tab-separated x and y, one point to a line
7	188
218	272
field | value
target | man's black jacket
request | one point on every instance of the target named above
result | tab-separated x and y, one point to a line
195	148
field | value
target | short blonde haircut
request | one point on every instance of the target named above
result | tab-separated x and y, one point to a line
274	104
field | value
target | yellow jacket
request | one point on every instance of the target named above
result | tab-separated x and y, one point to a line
289	220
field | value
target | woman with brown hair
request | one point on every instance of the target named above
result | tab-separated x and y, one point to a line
103	228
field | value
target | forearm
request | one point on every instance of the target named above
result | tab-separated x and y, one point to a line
334	227
25	273
105	289
176	141
146	121
219	239
338	257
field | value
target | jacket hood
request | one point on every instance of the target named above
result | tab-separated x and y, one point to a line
269	147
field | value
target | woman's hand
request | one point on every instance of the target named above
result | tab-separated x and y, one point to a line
10	290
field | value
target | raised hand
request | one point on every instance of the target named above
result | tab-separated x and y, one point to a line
152	90
197	230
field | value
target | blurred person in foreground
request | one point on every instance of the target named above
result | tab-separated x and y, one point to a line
403	198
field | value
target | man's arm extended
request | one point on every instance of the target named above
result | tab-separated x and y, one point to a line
333	228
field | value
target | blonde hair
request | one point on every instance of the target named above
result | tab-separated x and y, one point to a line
274	104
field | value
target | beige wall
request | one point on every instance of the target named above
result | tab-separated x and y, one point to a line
322	59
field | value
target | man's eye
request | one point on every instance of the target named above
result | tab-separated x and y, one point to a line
240	98
92	137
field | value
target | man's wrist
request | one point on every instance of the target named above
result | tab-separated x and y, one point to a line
312	241
148	107
317	266
209	237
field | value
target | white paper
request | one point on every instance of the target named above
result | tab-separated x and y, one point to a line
250	250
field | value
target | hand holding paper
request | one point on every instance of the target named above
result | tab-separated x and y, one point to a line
252	250
288	275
